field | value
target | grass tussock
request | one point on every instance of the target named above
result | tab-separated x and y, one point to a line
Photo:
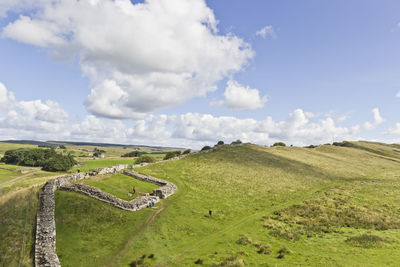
367	241
329	213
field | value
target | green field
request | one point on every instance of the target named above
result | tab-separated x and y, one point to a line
91	164
271	206
281	206
121	186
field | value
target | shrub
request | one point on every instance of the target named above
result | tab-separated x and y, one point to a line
97	154
169	155
62	147
282	253
144	159
311	146
205	148
279	144
237	142
198	261
244	240
187	151
265	249
366	241
344	144
220	143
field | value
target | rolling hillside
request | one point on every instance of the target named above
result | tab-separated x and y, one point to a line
331	205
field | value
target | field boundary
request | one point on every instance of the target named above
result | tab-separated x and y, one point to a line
45	240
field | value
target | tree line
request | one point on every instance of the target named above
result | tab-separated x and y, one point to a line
48	159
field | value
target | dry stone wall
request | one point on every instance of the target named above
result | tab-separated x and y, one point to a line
93	192
45	242
166	188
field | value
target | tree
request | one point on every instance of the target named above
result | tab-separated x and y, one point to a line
237	142
205	148
187	151
144	159
279	144
220	143
49	159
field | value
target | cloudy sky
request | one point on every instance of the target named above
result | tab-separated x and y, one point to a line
191	72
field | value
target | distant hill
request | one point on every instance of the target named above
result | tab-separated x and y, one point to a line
56	143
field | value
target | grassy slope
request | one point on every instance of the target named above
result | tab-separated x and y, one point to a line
244	186
121	185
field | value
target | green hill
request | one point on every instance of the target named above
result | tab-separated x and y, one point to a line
330	205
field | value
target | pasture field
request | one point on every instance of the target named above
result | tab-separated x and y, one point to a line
19	199
278	206
121	186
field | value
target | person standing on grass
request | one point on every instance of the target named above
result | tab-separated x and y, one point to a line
210	213
152	202
134	190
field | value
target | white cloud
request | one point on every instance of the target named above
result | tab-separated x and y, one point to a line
48	121
240	97
377	120
33	118
266	31
139	57
398	95
395	130
6	98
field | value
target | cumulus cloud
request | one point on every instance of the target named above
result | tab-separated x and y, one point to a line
46	120
395	130
32	118
266	31
241	97
377	120
6	98
139	57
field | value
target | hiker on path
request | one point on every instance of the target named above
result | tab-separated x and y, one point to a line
134	190
152	202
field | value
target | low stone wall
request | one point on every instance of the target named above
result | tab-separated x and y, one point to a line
166	188
45	242
133	205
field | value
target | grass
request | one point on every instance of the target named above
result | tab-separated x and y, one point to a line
17	228
246	185
111	226
288	206
121	186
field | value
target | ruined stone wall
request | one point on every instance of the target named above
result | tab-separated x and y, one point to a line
133	205
166	188
45	242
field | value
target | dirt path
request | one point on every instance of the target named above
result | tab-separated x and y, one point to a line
125	247
19	177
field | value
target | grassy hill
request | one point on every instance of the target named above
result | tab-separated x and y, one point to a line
330	205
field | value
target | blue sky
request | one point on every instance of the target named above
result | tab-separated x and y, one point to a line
166	73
